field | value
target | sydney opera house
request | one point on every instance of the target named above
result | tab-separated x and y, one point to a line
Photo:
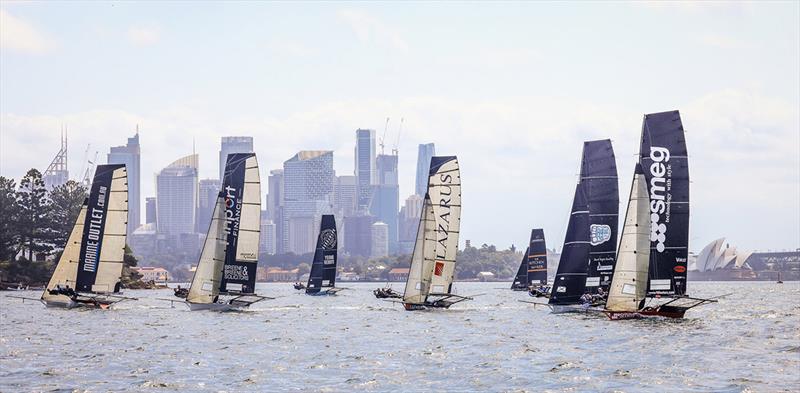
721	261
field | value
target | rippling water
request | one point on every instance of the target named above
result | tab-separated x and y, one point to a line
749	341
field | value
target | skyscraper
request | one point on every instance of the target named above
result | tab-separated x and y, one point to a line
358	235
426	151
380	242
130	156
409	223
177	196
233	144
150	210
345	196
385	202
365	171
267	235
307	192
209	189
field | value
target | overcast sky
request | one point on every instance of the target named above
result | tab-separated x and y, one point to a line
511	88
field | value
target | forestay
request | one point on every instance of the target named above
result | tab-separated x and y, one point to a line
663	158
629	285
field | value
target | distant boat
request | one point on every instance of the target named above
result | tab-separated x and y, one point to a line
532	272
430	277
89	271
225	277
322	279
650	274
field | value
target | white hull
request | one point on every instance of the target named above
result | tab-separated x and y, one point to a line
571	308
214	306
54	304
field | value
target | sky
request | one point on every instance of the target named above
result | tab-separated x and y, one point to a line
512	89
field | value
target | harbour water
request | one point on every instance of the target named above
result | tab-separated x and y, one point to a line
749	341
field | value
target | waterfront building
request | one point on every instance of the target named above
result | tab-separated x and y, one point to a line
130	155
177	196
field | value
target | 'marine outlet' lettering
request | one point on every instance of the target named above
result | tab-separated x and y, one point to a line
658	195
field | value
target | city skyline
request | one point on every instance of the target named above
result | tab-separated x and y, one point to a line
517	126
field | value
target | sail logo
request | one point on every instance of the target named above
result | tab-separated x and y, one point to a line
94	237
444	218
327	239
233	210
599	234
236	273
659	197
439	268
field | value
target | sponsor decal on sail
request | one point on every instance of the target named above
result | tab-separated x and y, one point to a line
679	269
236	273
328	239
233	211
439	268
599	234
660	196
94	238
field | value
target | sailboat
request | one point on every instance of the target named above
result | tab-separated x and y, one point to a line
532	272
599	177
225	277
650	274
322	279
89	271
430	278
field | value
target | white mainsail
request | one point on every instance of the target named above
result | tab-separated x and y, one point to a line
250	223
67	267
629	285
207	277
444	190
109	269
419	275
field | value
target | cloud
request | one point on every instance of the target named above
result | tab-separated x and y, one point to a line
143	36
19	35
370	29
722	41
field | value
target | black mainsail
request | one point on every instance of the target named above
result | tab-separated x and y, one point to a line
520	282
663	158
323	269
570	280
599	179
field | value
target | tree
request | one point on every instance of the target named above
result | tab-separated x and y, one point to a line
129	259
8	217
66	201
33	220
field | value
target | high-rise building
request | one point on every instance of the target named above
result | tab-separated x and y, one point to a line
365	171
385	202
209	189
380	241
274	193
345	196
129	155
307	193
177	197
150	210
426	151
233	144
408	224
358	235
267	235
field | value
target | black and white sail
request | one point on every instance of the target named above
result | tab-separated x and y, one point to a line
599	179
323	269
663	158
92	260
537	258
533	268
570	280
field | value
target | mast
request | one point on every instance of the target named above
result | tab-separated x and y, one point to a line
629	284
422	261
444	189
241	192
102	245
664	160
205	282
323	269
570	280
599	176
537	258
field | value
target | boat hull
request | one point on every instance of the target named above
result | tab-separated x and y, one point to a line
661	312
570	308
215	306
73	304
327	292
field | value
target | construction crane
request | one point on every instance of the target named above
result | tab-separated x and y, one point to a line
396	149
89	173
383	138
